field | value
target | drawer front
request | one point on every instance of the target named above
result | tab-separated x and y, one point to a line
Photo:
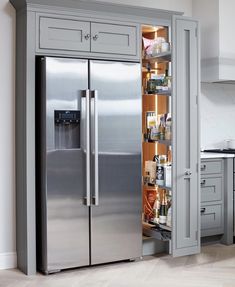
212	217
62	34
113	39
210	167
211	189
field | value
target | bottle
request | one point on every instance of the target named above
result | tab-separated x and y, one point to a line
168	218
156	208
163	209
169	212
162	127
155	134
167	173
150	123
169	156
160	174
168	128
165	80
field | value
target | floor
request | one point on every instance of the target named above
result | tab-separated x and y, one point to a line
214	267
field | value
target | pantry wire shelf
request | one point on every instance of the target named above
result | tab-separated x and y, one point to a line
158	58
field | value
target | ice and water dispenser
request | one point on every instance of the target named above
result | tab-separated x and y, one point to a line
67	129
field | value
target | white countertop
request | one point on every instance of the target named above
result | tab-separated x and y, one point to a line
216	155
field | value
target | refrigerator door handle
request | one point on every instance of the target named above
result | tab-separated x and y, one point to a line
86	109
94	99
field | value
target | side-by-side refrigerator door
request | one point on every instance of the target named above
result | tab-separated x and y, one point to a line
66	162
116	231
186	143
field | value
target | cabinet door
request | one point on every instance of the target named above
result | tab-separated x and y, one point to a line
186	144
64	34
113	39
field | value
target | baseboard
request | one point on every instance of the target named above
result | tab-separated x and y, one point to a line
8	260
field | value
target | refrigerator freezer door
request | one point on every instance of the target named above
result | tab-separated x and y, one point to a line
116	231
66	215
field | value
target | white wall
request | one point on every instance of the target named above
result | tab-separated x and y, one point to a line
226	28
7	128
217	114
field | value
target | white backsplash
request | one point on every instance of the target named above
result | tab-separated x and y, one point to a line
217	114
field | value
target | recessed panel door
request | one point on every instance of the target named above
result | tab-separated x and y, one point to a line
113	39
186	143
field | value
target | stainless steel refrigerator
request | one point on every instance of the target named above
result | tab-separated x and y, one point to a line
88	158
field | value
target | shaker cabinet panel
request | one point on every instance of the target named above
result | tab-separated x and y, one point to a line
212	220
62	34
211	167
113	39
186	184
211	189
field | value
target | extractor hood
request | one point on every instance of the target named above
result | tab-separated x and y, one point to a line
217	39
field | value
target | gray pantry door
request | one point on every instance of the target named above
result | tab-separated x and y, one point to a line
186	143
116	230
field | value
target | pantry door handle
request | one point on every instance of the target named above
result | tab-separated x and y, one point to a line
187	174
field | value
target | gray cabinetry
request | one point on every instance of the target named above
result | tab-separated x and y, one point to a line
212	219
62	34
66	28
73	35
212	197
211	167
186	155
211	189
110	38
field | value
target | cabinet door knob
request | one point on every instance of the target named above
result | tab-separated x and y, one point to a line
87	36
203	210
203	167
95	37
203	182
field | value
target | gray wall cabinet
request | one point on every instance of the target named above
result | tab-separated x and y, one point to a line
77	35
64	34
114	39
106	31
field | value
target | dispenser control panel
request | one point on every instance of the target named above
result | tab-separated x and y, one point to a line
67	117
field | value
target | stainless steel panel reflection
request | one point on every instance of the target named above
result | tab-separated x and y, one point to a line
67	217
116	222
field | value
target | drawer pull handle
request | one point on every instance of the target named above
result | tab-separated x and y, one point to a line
203	210
87	36
203	167
95	37
203	182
